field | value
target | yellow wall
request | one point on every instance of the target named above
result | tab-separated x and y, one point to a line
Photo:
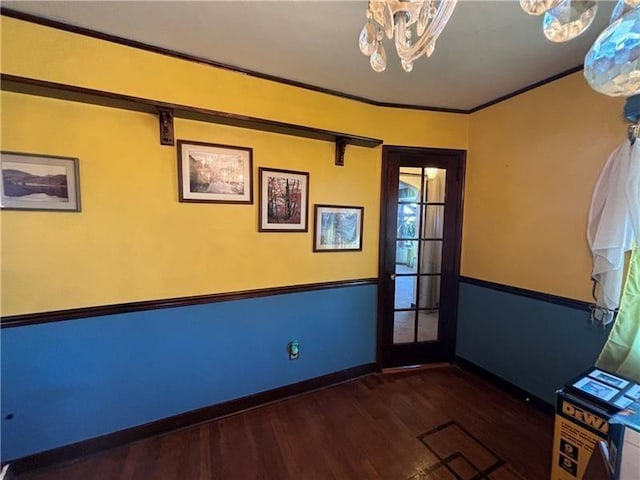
532	164
533	161
133	240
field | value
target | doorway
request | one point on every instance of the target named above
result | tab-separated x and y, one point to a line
419	265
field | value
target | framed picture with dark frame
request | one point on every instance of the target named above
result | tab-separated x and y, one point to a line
39	182
284	200
338	228
213	173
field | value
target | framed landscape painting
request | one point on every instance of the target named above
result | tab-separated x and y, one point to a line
284	199
338	228
39	182
211	173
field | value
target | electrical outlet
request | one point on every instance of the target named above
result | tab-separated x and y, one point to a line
294	350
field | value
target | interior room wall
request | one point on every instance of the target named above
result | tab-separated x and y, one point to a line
129	181
531	167
533	162
72	380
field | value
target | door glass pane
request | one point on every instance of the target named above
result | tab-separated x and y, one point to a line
408	214
430	256
404	326
409	188
405	292
429	291
406	256
434	184
428	325
411	170
433	221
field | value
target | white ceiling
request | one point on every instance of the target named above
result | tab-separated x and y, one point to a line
488	50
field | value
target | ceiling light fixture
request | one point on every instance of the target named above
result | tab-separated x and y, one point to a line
397	19
612	64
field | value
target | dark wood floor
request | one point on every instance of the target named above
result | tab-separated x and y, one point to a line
405	426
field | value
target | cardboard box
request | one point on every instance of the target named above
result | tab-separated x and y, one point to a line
624	443
584	408
579	425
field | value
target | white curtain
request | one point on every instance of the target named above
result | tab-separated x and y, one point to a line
610	232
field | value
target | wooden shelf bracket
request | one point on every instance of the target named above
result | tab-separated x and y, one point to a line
341	146
165	117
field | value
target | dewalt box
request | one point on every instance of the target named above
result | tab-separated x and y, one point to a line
583	410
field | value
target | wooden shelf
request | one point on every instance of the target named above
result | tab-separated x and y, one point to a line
30	86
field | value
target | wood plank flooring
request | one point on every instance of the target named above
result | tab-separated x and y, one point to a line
441	423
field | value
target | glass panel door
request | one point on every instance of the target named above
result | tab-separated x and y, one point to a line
420	221
420	246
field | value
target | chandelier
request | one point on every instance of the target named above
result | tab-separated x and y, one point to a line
612	64
398	19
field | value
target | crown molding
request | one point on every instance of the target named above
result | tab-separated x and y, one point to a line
27	17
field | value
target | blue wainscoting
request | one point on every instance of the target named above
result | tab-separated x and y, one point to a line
69	381
535	344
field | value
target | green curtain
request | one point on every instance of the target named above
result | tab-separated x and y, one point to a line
621	353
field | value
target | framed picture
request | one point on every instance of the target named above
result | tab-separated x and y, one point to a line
609	379
337	228
623	402
634	392
284	199
210	173
596	389
39	182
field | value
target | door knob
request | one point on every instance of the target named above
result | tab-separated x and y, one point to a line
392	276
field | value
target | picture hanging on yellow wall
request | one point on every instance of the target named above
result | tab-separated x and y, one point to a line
211	173
39	182
284	199
337	228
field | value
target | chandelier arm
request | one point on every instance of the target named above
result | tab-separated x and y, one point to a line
431	34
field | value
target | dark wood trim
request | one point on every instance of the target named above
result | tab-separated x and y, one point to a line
341	146
505	385
101	310
192	58
165	118
461	176
520	91
382	238
543	297
184	420
31	86
409	106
